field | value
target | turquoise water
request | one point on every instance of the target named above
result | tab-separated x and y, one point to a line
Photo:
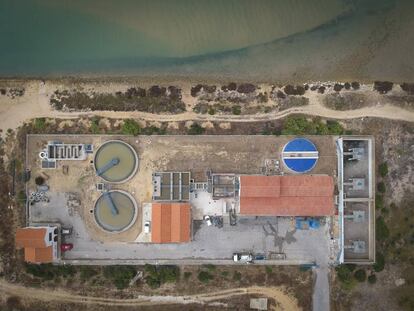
229	38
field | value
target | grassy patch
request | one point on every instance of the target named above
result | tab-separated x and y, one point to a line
119	275
131	127
205	276
196	129
383	169
155	276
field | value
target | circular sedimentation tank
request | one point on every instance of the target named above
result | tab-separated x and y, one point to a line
116	161
115	211
300	155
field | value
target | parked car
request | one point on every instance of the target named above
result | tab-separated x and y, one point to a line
66	247
207	219
66	231
147	227
243	257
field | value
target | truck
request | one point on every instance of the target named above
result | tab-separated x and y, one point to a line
243	257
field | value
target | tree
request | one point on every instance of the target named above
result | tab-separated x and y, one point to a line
131	127
360	275
205	277
383	169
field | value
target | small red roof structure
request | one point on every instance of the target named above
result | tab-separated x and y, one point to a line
304	195
171	223
33	240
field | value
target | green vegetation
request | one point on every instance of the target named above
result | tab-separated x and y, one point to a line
119	275
269	269
87	272
155	276
379	201
205	276
237	276
95	125
236	110
345	276
153	130
39	123
131	127
196	129
383	169
211	111
372	279
381	230
379	264
360	275
210	267
156	99
381	187
302	126
49	271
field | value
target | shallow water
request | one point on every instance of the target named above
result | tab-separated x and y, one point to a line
228	38
124	206
125	167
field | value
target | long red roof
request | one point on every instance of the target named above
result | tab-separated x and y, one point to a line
303	195
171	223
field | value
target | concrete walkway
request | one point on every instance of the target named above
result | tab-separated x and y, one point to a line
321	291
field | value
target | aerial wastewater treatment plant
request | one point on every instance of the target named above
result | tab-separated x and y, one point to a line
199	199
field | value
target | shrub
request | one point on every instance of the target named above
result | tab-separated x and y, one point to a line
379	264
381	187
157	275
372	279
360	275
205	277
211	111
408	87
236	109
119	275
345	276
210	267
237	276
355	85
381	229
196	129
187	275
40	123
383	169
246	88
269	269
131	127
379	201
87	272
338	87
95	125
347	85
196	89
321	89
39	180
229	87
292	90
334	127
383	87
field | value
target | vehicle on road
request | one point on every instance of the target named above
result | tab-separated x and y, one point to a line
243	257
207	219
66	231
147	227
64	247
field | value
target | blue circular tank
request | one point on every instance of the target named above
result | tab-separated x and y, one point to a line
300	155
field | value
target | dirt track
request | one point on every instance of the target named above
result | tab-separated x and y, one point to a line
284	300
35	103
